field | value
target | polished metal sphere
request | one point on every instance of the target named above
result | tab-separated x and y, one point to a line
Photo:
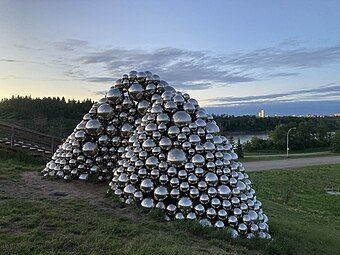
232	220
136	91
181	118
90	149
176	157
189	108
215	203
253	216
198	160
212	128
171	209
219	224
233	233
185	204
222	214
211	179
205	223
151	162
191	216
224	191
148	203
179	216
115	95
103	140
161	193
211	213
105	111
165	143
242	228
129	190
126	130
80	136
170	106
94	127
147	185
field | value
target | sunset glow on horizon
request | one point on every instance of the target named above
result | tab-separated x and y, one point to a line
239	58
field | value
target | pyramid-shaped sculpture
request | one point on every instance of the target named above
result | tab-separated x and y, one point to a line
160	149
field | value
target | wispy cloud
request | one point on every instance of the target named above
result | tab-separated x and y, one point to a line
71	44
184	69
26	47
291	42
11	77
326	92
282	75
9	60
99	79
196	70
292	58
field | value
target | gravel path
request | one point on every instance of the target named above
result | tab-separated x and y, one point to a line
290	163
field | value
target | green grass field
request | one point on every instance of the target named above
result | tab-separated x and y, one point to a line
303	218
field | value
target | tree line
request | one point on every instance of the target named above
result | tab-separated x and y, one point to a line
252	123
52	115
304	137
57	116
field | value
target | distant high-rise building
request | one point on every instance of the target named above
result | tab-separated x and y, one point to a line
336	114
262	114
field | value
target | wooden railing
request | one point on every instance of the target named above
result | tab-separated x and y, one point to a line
20	138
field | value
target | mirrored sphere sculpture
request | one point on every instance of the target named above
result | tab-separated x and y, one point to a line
158	148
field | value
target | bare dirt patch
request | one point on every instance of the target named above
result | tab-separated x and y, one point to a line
31	185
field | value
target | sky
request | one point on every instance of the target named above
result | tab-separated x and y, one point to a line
234	57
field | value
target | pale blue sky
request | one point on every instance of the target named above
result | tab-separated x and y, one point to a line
236	56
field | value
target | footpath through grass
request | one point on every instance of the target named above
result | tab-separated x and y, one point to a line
303	219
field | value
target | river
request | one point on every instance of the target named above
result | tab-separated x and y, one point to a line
244	137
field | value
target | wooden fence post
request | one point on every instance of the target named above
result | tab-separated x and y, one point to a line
12	136
52	145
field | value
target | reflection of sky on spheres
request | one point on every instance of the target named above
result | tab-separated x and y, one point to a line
235	57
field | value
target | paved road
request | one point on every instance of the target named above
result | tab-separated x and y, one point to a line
292	155
290	163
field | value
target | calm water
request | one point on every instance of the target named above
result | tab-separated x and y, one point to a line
247	137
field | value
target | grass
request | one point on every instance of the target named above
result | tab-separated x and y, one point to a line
12	164
47	227
303	220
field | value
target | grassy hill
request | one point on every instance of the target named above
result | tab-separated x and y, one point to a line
39	216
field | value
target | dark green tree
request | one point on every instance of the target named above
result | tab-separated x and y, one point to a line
335	145
239	149
232	141
278	136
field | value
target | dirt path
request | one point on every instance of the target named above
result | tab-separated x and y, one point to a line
292	155
32	185
76	189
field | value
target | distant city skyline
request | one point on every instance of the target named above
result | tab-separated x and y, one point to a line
234	57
